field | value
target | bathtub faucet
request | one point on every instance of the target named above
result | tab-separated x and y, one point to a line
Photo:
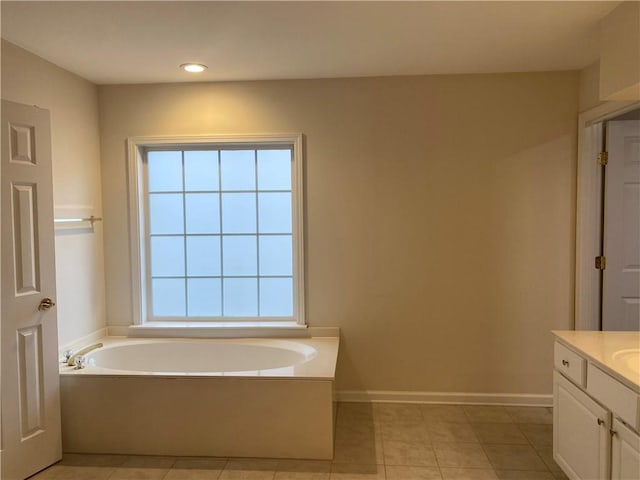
72	359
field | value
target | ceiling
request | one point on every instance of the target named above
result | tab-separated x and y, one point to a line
144	41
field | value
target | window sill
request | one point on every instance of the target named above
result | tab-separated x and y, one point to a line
218	329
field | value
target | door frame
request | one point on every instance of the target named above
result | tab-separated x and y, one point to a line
588	211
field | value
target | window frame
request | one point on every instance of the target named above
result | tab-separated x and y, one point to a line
139	226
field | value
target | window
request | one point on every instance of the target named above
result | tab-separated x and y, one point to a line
217	229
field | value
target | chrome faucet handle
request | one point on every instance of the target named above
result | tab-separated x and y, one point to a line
66	355
80	362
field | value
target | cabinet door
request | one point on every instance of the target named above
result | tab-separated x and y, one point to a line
581	440
625	453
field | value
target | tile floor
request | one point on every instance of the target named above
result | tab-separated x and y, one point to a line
373	442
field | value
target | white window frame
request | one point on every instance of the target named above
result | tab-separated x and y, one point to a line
138	225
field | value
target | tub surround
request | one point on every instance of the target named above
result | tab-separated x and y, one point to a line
276	411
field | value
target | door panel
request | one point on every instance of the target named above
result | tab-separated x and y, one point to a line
621	278
30	385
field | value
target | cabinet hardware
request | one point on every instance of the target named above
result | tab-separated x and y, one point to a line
600	421
613	433
565	363
601	262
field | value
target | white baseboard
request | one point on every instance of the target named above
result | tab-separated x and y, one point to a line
385	396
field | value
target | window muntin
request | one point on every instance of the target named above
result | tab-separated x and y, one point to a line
221	232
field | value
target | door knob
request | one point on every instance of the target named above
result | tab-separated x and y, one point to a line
46	304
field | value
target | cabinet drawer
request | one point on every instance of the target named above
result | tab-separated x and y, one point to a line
614	395
570	364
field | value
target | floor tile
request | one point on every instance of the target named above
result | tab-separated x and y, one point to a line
196	468
396	412
357	472
200	463
468	474
508	433
396	472
487	414
461	455
66	472
358	446
355	411
443	413
303	470
249	470
405	432
47	474
538	434
546	453
121	473
530	415
443	432
408	453
89	460
144	461
523	475
514	457
192	474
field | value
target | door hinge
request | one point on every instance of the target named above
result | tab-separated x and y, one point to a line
603	158
601	262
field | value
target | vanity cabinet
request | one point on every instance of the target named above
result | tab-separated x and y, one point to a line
625	452
595	420
580	432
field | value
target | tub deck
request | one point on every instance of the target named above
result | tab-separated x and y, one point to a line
273	413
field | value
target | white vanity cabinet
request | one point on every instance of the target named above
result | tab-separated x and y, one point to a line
596	418
580	432
625	452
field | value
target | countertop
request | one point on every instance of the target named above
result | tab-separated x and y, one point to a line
601	348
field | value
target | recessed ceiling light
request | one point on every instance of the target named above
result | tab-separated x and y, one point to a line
193	67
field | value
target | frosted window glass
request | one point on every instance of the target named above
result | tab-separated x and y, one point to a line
274	169
168	297
239	213
203	256
240	297
240	255
165	171
167	256
165	213
274	212
203	213
204	297
201	170
238	169
276	297
276	255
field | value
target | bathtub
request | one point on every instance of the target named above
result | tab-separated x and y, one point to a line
202	397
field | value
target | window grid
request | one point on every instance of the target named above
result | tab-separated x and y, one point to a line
222	234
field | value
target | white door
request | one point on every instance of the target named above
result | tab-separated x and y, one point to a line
625	453
30	384
621	277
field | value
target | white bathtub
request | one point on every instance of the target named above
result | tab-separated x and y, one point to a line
214	397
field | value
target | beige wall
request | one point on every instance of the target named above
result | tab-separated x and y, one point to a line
439	214
620	53
589	87
73	104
